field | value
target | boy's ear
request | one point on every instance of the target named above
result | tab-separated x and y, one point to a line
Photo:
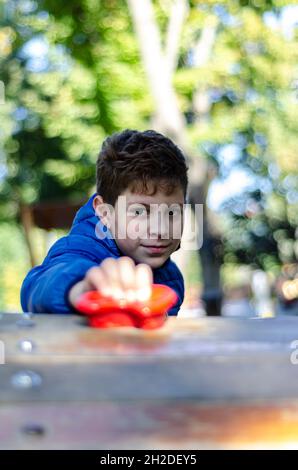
101	209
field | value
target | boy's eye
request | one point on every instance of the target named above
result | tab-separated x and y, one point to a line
174	212
135	212
139	211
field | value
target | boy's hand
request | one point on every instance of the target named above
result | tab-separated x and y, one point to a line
118	278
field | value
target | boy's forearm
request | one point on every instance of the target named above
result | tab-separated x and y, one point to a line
47	290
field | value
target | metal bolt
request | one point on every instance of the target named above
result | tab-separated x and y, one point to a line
27	315
33	429
26	345
26	320
26	379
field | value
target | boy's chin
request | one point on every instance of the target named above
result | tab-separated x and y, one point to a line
155	262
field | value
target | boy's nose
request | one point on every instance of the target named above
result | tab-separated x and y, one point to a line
158	227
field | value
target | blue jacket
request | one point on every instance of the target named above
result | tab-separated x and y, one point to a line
46	287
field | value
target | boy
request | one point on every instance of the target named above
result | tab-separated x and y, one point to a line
122	238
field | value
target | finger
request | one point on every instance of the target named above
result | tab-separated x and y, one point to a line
96	279
144	280
127	273
110	269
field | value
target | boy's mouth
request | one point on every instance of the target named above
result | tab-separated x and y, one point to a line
156	248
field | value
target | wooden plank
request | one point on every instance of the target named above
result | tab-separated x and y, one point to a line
204	383
149	425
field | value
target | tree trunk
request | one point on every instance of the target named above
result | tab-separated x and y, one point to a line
169	120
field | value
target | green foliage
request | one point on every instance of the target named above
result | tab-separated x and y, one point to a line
59	107
250	80
88	81
14	264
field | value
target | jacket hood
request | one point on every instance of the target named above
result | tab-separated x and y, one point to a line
88	224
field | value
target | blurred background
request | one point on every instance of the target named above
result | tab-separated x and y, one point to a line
219	77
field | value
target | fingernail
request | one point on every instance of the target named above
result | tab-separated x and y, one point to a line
107	292
144	294
130	295
118	294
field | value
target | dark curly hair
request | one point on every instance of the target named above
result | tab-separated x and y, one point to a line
132	159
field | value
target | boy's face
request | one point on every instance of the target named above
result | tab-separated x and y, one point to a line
147	228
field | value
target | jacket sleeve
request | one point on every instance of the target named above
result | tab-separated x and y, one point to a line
177	284
178	287
45	288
